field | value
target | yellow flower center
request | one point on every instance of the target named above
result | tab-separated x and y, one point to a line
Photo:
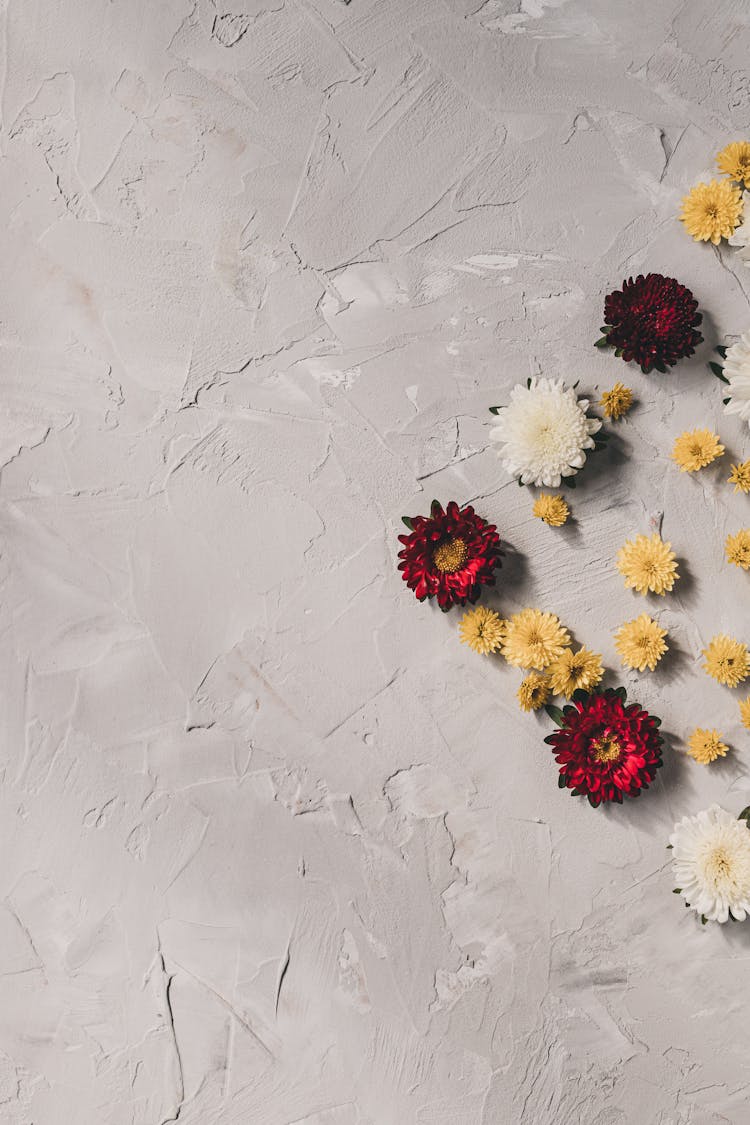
606	749
718	864
450	556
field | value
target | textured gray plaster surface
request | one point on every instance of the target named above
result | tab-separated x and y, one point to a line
276	848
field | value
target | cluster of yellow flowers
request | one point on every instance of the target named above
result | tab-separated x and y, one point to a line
712	211
540	644
695	449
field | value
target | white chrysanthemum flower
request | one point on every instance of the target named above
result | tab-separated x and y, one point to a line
711	864
737	371
544	432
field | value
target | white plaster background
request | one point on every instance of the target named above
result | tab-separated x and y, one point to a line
275	847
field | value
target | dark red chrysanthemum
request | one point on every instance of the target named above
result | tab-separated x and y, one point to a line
652	320
449	554
606	749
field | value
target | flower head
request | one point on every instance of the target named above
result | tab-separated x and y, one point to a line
711	211
745	712
551	509
574	671
695	449
737	373
544	432
737	548
654	321
449	554
740	477
705	746
727	660
534	639
606	749
533	692
641	643
711	864
648	564
482	630
734	161
617	402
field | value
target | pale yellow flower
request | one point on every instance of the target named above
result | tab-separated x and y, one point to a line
574	670
740	477
534	639
553	510
648	564
727	660
711	211
533	692
695	449
734	161
640	643
617	402
705	746
482	630
745	712
737	548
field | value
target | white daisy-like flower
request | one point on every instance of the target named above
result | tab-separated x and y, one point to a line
737	371
711	864
544	432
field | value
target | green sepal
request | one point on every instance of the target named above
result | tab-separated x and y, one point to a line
520	483
745	815
669	847
528	383
495	409
622	692
554	713
722	350
580	695
677	891
602	342
660	367
718	371
408	521
726	400
436	508
561	781
704	919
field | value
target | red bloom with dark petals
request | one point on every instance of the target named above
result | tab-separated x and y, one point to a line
652	320
449	555
606	748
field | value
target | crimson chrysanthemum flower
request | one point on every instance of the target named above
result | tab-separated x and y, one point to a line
652	320
449	554
606	748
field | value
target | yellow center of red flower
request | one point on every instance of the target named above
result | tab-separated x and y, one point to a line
450	556
606	749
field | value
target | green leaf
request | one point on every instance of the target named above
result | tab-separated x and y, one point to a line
580	696
521	484
495	409
408	521
704	919
677	891
554	713
622	692
602	342
718	371
745	815
561	781
722	350
660	367
669	847
528	383
618	352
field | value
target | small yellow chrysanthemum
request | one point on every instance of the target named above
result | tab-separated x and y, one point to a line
711	211
727	660
534	639
734	161
737	548
705	746
745	712
573	670
640	643
648	564
695	449
617	402
533	692
552	509
740	477
482	630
